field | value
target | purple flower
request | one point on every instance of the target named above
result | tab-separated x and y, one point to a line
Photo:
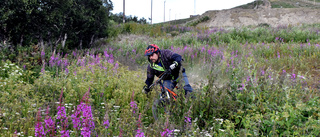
106	54
166	133
65	133
293	76
61	112
262	72
75	117
52	61
39	131
49	125
74	53
67	71
42	54
65	62
116	66
42	70
82	117
133	106
59	62
140	133
187	120
106	123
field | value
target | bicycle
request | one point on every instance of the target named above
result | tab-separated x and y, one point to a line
160	105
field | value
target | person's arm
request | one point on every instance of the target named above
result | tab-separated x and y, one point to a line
176	60
149	80
150	76
176	57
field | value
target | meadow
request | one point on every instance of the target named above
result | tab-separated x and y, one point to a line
250	81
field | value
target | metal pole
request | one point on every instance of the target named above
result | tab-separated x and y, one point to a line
194	7
151	11
124	1
169	14
164	11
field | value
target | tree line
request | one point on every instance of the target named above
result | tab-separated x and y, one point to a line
52	23
118	18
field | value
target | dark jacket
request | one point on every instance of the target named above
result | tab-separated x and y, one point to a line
166	57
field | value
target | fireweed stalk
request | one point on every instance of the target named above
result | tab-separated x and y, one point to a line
133	104
140	133
82	117
167	132
61	115
188	119
49	124
106	122
39	131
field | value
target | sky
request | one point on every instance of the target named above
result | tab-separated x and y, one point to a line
172	9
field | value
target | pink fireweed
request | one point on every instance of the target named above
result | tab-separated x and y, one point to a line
87	120
52	61
61	115
39	130
82	117
293	76
167	132
49	124
133	104
106	123
43	55
139	133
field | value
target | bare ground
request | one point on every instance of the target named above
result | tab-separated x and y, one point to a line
254	17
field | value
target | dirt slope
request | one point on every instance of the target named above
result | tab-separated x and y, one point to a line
274	17
271	12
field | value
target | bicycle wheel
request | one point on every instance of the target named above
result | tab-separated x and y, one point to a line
160	107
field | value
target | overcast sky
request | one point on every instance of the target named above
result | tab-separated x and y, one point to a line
174	9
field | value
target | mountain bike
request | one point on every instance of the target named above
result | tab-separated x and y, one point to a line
161	105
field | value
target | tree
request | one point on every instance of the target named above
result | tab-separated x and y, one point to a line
24	22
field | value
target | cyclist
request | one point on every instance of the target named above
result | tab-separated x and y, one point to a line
160	61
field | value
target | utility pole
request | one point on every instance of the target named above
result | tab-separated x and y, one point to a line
124	7
151	12
169	14
194	7
164	11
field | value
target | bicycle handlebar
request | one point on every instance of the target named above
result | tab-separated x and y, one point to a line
162	76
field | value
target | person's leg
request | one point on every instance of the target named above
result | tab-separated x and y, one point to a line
187	87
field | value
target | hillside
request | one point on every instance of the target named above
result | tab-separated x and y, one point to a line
272	13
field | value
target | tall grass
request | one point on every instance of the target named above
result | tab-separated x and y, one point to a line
248	82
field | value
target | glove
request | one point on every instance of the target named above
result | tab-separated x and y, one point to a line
174	65
146	90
